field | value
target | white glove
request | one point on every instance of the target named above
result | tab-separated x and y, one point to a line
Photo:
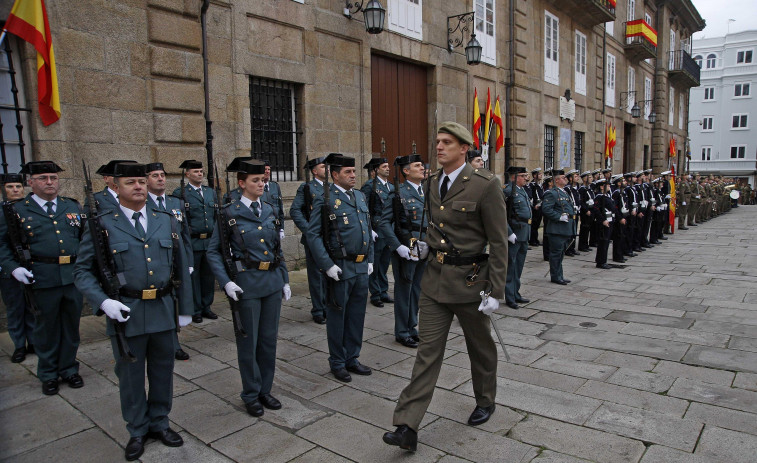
191	269
511	238
683	203
667	196
233	290
564	218
590	202
370	269
489	306
23	275
184	320
374	235
113	308
335	271
281	235
422	249
287	291
404	251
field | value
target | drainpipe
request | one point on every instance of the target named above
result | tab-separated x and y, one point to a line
604	67
206	88
509	89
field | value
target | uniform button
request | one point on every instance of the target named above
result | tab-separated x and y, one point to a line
152	286
150	272
149	259
441	225
265	252
463	209
60	241
443	241
62	251
55	222
260	228
147	246
114	251
57	231
262	240
441	208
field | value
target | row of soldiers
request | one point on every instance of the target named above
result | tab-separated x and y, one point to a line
699	199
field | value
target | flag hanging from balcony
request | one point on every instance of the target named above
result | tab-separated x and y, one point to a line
500	132
640	28
612	3
476	120
28	21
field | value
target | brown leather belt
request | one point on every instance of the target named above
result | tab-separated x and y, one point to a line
447	259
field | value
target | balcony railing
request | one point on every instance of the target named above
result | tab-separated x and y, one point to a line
641	40
588	12
682	69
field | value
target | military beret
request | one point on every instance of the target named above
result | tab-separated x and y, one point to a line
129	169
409	159
252	166
190	164
107	169
12	178
153	166
40	167
462	134
339	160
234	164
516	170
473	154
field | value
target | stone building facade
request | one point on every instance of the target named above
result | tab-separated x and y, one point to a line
290	79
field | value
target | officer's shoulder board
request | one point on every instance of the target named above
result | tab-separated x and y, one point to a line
224	206
66	198
485	173
174	196
272	206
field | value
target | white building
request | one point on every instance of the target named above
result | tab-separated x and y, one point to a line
723	109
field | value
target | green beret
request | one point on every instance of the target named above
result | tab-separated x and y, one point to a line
462	134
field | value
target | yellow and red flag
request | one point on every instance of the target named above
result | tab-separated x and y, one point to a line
672	147
476	120
613	140
613	3
28	21
488	116
607	141
640	28
672	213
497	117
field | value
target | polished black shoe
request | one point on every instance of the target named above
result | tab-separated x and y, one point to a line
655	242
639	250
604	266
74	381
342	375
319	319
360	369
209	314
566	280
270	402
30	349
387	299
197	318
416	338
19	355
584	249
480	415
570	253
377	303
663	238
631	254
522	300
408	342
620	260
683	228
512	305
403	437
50	387
135	448
560	282
181	355
648	246
692	225
168	436
254	408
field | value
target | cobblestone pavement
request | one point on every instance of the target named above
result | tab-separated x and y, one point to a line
656	362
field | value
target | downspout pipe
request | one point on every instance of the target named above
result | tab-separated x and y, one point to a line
206	88
509	89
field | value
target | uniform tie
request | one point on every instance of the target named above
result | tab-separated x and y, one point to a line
445	187
351	195
254	206
50	206
160	203
420	190
138	225
265	188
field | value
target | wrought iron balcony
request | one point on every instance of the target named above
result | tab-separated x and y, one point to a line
683	71
639	45
588	12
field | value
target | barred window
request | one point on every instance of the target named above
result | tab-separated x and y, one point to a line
579	149
14	116
274	118
549	146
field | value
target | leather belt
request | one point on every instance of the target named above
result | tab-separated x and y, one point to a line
259	265
447	259
145	294
357	258
202	236
62	260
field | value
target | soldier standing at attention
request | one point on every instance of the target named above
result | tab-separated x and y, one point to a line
560	216
19	317
157	199
260	285
301	210
605	214
586	194
345	251
466	210
546	185
683	199
148	252
107	199
537	195
51	226
234	192
272	195
518	229
572	189
200	202
400	226
377	191
475	159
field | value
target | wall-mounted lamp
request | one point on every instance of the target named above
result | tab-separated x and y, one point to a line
373	14
473	49
636	109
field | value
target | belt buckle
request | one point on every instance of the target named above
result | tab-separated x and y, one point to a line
440	257
264	265
359	258
64	259
149	294
529	221
203	236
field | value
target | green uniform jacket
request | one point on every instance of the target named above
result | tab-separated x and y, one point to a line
521	205
145	264
472	215
51	237
413	205
557	202
297	211
104	201
383	191
201	214
175	208
274	198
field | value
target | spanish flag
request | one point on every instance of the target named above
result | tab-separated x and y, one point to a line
476	120
640	27
607	141
672	210
28	21
497	117
672	147
488	116
613	140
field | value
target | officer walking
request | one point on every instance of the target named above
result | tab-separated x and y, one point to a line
560	217
465	208
301	210
199	204
377	191
345	250
518	230
19	317
148	252
50	230
401	225
251	227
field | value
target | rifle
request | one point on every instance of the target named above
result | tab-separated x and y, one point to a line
107	273
231	266
400	218
307	204
20	244
228	188
328	221
184	200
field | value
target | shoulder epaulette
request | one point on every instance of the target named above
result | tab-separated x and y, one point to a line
485	173
66	198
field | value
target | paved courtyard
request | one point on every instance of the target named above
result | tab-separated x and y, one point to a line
655	362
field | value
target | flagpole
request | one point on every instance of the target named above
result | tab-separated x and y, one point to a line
2	37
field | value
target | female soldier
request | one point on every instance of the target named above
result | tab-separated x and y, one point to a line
251	228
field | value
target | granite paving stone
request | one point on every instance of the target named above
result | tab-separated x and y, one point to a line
649	319
662	454
725	445
572	367
643	380
676	334
723	417
537	377
548	456
192	450
571	351
706	375
458	407
722	358
622	360
89	445
746	381
207	417
715	394
262	442
633	398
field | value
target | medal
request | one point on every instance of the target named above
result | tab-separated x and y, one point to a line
338	202
346	220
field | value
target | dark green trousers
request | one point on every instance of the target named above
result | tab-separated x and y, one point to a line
257	352
56	331
203	283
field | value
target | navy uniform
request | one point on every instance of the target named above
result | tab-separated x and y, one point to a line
536	193
575	197
252	229
144	249
603	211
352	252
377	192
560	217
619	227
202	203
518	224
53	229
635	220
586	194
301	210
402	227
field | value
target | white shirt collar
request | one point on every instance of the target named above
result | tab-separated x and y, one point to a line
414	185
42	202
318	180
383	182
452	176
113	193
342	189
247	202
155	198
129	213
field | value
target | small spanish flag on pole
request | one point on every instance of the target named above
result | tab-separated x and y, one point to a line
497	118
28	21
476	120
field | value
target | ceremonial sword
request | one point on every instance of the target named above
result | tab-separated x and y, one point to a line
484	299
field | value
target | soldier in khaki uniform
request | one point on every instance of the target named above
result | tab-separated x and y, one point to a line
466	211
683	199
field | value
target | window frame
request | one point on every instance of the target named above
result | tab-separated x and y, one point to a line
747	56
549	146
742	117
611	81
578	149
647	97
671	105
551	46
707	153
712	91
580	54
738	148
711	61
708	127
742	86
